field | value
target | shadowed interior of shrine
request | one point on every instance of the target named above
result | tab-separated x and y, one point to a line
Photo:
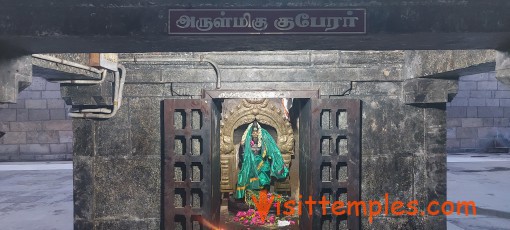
267	117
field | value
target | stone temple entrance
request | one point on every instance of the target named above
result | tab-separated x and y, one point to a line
404	69
118	167
319	140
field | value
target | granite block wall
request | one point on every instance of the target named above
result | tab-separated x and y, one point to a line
117	161
36	127
479	116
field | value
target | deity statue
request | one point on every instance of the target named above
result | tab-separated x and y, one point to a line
261	160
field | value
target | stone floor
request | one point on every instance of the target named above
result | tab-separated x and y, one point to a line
482	178
36	196
39	195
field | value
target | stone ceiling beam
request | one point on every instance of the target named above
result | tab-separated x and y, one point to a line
38	26
53	71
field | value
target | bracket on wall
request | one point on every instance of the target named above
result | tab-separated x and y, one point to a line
15	76
90	97
422	91
503	67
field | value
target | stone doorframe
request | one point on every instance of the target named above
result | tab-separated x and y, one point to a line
246	112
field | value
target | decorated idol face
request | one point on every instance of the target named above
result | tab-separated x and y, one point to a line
255	135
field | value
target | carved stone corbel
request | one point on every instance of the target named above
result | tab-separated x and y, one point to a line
503	67
429	90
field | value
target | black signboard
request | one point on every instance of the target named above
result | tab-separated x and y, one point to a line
266	21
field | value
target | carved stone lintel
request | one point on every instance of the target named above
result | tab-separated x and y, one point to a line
429	91
266	112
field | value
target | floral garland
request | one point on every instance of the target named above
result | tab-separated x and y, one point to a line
252	217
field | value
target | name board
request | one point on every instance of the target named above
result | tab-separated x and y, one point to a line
266	21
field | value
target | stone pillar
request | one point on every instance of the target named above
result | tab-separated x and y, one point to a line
430	163
404	147
117	166
15	75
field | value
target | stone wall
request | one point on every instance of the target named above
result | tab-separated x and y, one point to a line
479	116
117	162
36	127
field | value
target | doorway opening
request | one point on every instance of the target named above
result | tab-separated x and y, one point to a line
319	141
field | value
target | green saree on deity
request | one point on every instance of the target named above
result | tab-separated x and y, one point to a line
257	169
